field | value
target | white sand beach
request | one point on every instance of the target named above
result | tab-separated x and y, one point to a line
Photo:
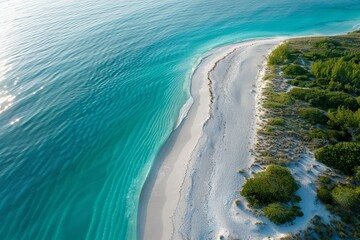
191	189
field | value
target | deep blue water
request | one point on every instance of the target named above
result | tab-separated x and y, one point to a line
90	90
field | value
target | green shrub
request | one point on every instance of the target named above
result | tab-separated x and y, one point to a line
280	214
279	55
276	184
273	105
300	93
357	173
324	99
302	78
296	199
326	43
294	70
312	84
276	121
282	98
312	55
313	115
346	197
324	195
324	179
342	156
346	120
297	83
322	81
330	135
337	70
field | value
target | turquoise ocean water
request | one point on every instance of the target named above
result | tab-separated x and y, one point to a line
90	90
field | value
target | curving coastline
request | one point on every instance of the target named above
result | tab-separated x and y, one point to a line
190	189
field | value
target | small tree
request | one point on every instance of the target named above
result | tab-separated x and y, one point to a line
343	156
276	184
346	197
324	195
346	120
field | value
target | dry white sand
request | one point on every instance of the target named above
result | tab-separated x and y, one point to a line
190	191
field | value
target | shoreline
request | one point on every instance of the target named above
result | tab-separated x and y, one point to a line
163	210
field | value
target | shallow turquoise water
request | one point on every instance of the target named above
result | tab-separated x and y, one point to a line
90	90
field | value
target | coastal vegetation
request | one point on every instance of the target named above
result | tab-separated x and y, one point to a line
276	121
343	156
279	55
342	199
324	99
313	87
273	190
313	116
280	214
295	71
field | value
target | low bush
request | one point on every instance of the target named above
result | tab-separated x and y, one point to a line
342	156
337	70
357	173
282	98
346	197
302	78
273	105
313	115
312	84
294	70
280	214
276	184
324	99
312	55
330	135
276	121
326	43
279	55
297	83
324	195
324	179
346	120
